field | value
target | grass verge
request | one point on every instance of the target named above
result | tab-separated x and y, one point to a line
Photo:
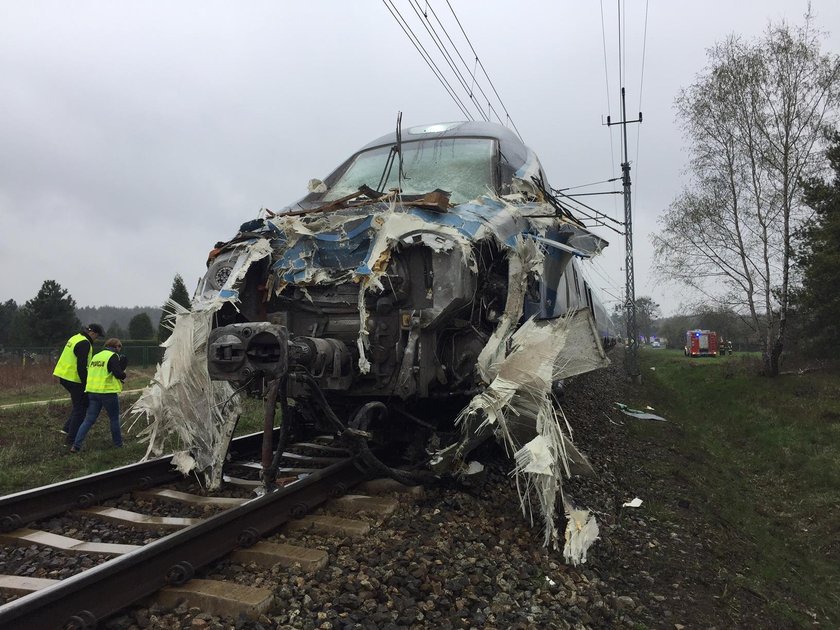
762	456
33	451
34	383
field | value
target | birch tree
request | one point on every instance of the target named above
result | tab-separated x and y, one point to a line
755	122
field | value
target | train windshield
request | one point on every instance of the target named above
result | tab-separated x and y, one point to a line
461	166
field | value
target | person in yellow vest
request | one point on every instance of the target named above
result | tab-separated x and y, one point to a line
106	374
71	371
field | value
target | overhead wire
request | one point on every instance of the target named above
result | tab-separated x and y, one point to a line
603	181
593	215
597	268
642	81
598	214
468	87
596	222
609	104
429	62
484	70
447	57
463	61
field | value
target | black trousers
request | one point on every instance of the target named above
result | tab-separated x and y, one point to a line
77	413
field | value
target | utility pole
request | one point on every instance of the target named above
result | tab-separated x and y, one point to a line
631	350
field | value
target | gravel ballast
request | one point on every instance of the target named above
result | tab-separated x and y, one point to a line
467	558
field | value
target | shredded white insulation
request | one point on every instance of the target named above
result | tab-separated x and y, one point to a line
187	412
519	400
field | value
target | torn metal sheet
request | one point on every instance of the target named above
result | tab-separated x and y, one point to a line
426	295
635	413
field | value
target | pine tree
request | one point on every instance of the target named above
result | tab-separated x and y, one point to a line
179	295
50	317
9	313
140	327
819	260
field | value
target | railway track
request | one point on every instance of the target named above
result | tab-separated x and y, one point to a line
311	474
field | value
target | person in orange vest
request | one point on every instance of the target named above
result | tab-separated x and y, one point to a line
71	370
106	374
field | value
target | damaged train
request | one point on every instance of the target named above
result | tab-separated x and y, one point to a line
424	297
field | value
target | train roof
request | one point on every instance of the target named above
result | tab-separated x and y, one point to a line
516	152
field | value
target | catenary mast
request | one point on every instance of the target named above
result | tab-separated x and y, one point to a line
631	350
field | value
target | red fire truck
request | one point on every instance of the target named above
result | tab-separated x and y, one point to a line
701	343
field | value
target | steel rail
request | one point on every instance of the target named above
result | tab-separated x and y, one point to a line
20	508
81	601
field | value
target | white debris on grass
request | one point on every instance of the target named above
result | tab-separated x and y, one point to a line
635	413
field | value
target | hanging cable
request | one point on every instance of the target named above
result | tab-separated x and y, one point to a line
604	181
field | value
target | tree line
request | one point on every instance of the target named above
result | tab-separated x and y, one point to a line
755	231
51	317
727	323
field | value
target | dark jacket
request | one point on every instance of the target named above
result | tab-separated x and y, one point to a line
81	351
117	364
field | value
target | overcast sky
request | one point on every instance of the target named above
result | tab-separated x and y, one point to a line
133	136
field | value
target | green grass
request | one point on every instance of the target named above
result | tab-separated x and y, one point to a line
32	449
764	457
761	458
33	452
22	384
